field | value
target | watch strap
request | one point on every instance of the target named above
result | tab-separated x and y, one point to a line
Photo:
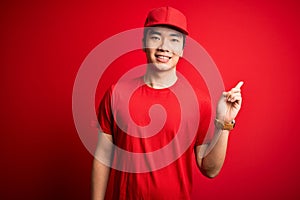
224	125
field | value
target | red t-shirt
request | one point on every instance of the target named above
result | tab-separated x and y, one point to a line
158	130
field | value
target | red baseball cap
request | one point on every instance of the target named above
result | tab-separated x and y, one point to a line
167	16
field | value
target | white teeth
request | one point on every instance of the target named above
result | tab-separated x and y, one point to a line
163	57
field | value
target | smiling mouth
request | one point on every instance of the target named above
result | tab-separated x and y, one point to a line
162	58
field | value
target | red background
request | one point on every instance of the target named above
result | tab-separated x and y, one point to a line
43	44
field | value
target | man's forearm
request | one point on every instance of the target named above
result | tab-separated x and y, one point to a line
212	163
100	171
100	174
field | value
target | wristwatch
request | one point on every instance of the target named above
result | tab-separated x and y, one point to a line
224	125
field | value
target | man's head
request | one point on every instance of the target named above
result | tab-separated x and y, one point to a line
164	36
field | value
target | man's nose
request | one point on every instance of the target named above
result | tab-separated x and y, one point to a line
164	45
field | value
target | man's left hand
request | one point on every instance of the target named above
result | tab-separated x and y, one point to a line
230	104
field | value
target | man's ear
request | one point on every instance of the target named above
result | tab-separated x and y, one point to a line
144	44
181	53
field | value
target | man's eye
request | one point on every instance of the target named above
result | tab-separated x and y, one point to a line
154	38
175	40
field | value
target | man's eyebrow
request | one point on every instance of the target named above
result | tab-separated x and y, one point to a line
152	32
176	35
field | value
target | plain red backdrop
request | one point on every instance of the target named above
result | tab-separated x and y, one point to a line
43	44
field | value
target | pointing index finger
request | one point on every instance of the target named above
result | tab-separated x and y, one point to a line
239	85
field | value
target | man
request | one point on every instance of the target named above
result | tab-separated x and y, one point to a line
164	39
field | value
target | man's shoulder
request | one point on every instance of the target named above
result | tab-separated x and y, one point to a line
132	82
125	86
200	90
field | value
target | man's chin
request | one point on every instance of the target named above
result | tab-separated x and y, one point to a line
162	67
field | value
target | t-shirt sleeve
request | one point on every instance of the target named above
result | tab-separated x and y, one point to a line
105	117
204	135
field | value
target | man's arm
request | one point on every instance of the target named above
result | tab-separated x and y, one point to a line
210	165
101	169
210	158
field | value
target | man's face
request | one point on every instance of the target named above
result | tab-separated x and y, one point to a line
163	47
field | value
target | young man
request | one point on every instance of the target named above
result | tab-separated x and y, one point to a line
128	128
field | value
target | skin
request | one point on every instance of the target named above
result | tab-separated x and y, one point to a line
100	171
164	47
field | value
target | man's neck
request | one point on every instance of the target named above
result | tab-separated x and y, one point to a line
160	79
